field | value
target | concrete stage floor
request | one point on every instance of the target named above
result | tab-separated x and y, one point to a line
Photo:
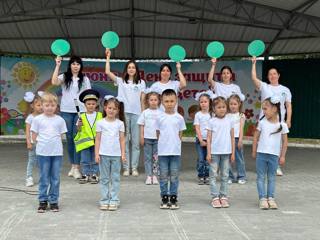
139	217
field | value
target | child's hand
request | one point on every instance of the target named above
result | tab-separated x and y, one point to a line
29	145
203	143
232	158
108	53
254	155
123	159
209	158
58	61
97	158
80	123
213	61
239	144
142	141
282	161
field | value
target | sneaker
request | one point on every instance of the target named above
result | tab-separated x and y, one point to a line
242	181
201	181
42	207
29	182
174	202
263	204
155	180
104	207
215	203
272	203
70	173
206	181
113	207
230	181
126	173
224	202
84	179
54	207
76	173
149	180
135	172
94	179
279	172
165	202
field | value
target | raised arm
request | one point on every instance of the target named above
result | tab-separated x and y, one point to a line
255	79
54	78
107	70
182	79
211	81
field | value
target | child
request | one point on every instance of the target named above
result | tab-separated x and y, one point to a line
200	123
169	131
109	149
220	148
148	135
235	108
47	130
35	104
84	140
269	146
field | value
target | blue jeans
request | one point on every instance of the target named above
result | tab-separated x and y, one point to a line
202	164
219	162
32	160
88	163
71	120
49	182
110	167
133	136
266	164
150	155
169	171
240	164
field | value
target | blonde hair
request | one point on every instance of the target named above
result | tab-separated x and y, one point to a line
49	97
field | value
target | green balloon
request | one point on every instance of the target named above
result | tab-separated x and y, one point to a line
60	47
256	48
177	53
110	39
215	49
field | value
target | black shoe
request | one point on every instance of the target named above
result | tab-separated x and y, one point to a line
94	179
42	207
54	207
174	202
165	202
206	181
84	179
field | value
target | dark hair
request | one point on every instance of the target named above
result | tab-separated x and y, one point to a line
277	105
236	97
119	105
125	75
168	92
210	103
228	68
273	68
148	95
163	66
68	74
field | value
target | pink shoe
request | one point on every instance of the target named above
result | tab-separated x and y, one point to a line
215	203
155	180
224	202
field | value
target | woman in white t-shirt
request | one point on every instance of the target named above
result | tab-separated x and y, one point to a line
72	82
225	88
271	89
131	92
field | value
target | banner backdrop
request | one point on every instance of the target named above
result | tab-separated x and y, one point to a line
19	75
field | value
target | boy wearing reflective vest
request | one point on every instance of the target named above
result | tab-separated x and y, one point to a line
84	140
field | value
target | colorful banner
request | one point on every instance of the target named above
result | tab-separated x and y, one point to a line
19	75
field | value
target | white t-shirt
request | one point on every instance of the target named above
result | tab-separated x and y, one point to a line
236	119
202	119
169	125
148	118
68	95
29	120
131	94
221	135
110	136
226	90
268	142
49	130
267	90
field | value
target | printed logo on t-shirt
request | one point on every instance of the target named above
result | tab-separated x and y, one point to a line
136	88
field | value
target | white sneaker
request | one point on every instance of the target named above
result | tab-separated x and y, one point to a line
76	173
242	181
135	172
229	181
126	173
149	180
155	180
29	182
279	172
70	173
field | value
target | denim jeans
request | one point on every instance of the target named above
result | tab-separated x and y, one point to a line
169	171
88	163
202	163
219	162
133	136
71	120
150	155
49	182
240	164
32	160
110	167
266	164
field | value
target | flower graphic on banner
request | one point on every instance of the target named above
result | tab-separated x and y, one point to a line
5	116
25	74
249	113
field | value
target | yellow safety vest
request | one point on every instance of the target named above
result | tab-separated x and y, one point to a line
86	134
